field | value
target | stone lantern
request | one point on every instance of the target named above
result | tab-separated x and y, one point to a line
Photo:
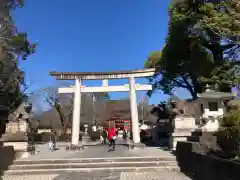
212	107
85	137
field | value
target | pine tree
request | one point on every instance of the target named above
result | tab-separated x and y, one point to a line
201	47
14	47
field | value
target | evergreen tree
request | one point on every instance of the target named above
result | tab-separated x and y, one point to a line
14	47
201	47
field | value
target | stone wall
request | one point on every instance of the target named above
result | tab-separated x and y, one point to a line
194	162
7	156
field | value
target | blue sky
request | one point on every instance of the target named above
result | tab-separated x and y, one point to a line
91	35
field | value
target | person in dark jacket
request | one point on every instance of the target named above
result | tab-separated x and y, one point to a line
105	135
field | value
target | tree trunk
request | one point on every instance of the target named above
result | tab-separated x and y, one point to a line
190	88
215	47
196	86
62	119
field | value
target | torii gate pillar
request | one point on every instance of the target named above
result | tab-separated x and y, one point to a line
134	111
76	113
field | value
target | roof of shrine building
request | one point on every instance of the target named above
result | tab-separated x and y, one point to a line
103	75
216	95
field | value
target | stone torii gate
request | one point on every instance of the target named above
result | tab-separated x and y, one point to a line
78	89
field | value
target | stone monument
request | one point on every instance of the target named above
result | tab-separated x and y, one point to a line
183	126
183	122
85	137
18	131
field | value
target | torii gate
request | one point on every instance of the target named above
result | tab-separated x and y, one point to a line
78	89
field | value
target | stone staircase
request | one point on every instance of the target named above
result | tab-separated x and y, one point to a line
122	164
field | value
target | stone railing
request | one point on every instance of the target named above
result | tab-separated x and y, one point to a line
194	162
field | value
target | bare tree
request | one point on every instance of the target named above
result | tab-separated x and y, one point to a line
143	108
62	103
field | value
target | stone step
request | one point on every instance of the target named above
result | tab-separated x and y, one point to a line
93	165
86	169
51	166
94	160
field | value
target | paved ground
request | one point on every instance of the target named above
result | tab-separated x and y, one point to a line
31	177
95	152
101	151
104	176
123	176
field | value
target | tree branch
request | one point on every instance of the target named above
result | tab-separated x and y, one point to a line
179	84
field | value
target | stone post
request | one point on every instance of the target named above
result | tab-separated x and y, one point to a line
134	111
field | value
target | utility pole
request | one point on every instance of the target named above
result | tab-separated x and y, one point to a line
142	109
93	106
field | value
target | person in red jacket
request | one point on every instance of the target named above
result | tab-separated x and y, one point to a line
111	138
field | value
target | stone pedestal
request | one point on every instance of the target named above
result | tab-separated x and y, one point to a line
184	122
183	128
86	139
178	135
17	136
22	149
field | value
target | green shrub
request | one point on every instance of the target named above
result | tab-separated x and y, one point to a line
228	136
232	118
229	141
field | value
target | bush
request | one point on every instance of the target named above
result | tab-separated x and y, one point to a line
228	136
232	118
229	141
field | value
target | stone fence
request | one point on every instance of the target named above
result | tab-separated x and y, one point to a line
7	156
196	164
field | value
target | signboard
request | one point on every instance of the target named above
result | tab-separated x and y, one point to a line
126	124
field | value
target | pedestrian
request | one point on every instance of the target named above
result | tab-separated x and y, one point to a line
125	134
52	142
105	135
112	138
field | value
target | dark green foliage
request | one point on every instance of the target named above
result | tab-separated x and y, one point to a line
229	141
193	54
228	136
231	118
14	46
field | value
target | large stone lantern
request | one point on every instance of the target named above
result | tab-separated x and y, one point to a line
212	107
